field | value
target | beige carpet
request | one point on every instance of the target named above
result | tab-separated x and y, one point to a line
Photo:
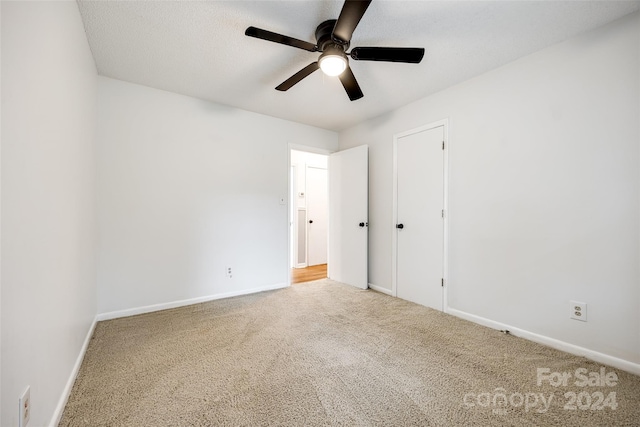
323	353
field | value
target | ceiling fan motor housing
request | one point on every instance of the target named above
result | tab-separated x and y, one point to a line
324	37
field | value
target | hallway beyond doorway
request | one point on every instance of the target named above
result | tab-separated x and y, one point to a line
308	274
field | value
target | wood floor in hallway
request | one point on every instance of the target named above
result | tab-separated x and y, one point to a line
308	274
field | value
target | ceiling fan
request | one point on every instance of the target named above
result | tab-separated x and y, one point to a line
333	39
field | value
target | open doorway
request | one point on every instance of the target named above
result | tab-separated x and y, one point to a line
309	195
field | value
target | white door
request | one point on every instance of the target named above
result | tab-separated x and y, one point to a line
419	224
348	216
317	215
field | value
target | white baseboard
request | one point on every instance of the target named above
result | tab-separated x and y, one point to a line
174	304
62	402
616	362
380	289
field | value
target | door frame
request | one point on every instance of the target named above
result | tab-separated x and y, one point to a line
290	222
444	123
293	214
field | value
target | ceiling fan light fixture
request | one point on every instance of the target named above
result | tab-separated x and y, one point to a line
333	62
333	39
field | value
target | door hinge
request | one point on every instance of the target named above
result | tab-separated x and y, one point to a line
441	282
442	213
443	145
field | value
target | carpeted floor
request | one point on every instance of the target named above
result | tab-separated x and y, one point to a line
323	353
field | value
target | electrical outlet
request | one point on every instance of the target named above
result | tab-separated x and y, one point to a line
25	408
578	310
229	273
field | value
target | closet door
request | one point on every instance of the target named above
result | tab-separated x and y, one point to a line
317	211
419	211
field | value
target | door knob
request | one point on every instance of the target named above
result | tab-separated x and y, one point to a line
310	221
400	226
361	225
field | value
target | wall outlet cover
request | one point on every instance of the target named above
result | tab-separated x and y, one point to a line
25	408
578	310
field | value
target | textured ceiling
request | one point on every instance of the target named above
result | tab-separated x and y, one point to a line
199	48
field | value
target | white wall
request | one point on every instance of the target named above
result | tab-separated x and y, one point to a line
544	189
48	227
302	159
0	213
187	188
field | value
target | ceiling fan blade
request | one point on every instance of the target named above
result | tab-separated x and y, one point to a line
279	38
351	13
350	84
411	55
291	81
